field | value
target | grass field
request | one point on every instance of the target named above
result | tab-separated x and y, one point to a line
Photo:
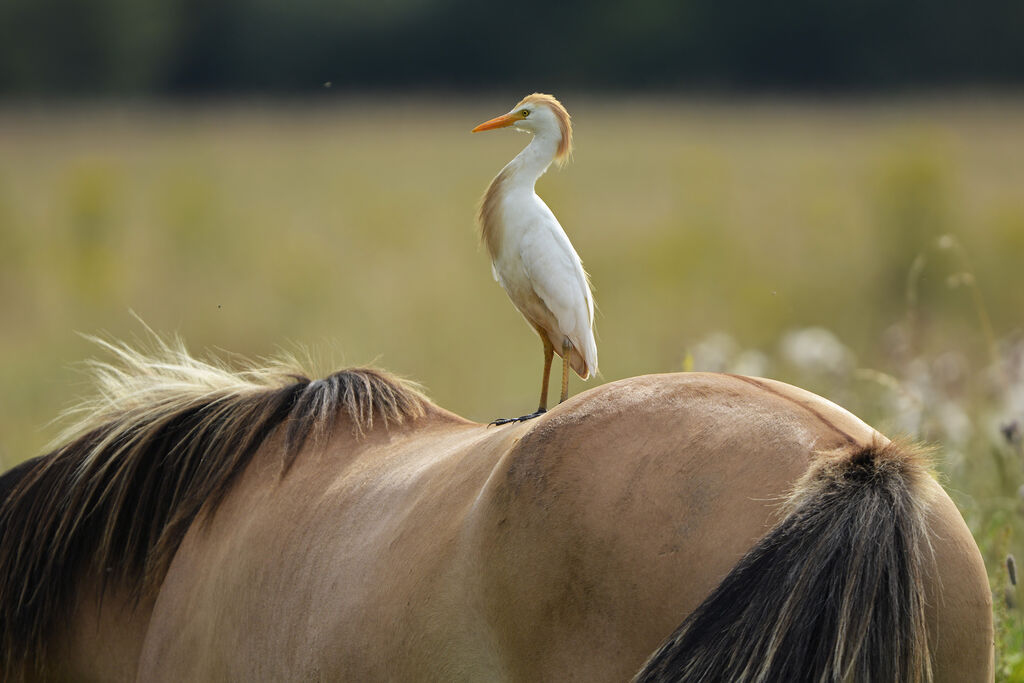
868	251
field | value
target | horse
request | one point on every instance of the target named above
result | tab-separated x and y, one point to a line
204	523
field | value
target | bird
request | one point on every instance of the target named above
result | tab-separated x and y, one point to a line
531	256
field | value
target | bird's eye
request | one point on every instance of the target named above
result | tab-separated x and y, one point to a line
525	113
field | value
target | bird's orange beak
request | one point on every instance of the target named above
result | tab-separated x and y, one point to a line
498	122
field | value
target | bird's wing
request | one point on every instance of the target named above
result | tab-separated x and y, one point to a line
557	276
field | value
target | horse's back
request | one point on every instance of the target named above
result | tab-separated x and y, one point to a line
564	548
349	567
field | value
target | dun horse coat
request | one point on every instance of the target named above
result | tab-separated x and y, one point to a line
205	525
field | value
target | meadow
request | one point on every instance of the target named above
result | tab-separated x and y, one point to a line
869	251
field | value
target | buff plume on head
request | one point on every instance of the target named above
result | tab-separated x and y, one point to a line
564	122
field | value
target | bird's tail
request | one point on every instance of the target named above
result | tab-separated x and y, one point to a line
835	592
584	362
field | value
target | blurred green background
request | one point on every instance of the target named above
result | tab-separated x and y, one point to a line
830	195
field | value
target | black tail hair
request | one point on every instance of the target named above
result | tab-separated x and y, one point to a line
834	592
12	477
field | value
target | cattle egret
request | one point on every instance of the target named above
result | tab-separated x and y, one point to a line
531	256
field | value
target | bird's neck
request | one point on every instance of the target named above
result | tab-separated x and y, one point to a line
533	161
520	174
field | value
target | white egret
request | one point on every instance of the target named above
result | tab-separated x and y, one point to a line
531	256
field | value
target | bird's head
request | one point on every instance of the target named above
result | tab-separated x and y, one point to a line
538	114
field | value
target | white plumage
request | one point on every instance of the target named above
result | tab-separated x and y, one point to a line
531	255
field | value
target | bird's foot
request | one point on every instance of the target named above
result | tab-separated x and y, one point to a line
522	418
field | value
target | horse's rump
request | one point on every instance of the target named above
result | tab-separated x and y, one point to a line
835	592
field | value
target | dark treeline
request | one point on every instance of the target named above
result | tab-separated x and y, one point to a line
293	46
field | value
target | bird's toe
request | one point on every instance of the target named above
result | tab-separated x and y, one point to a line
521	418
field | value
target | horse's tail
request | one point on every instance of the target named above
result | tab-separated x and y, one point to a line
835	592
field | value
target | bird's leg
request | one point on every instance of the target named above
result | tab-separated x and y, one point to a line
549	352
566	347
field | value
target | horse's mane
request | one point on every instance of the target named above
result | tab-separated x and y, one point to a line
165	437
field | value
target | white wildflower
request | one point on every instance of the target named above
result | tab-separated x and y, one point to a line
751	362
815	349
715	352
